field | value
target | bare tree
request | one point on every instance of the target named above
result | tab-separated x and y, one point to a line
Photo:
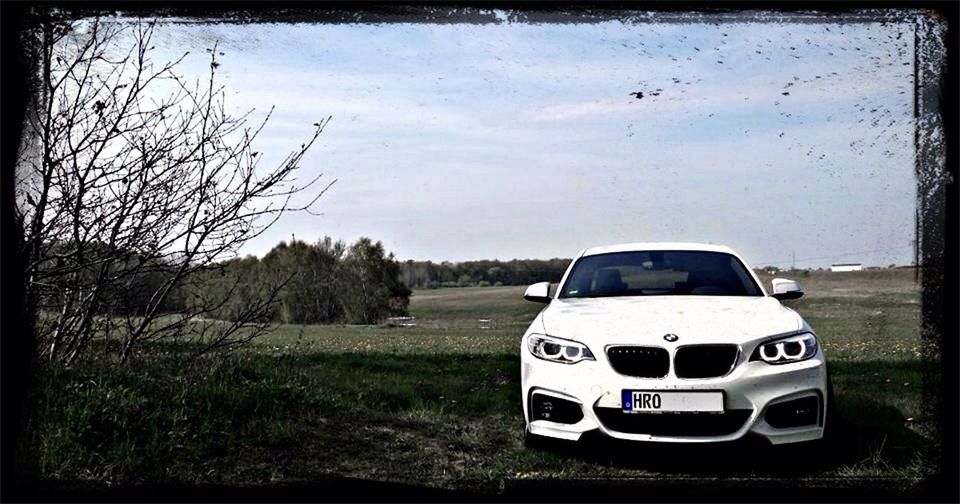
130	171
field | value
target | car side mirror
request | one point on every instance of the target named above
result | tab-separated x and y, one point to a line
538	293
784	289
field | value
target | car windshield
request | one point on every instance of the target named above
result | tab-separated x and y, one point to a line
659	273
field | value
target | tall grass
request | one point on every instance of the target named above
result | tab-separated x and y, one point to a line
440	420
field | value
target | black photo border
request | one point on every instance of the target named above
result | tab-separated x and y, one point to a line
937	207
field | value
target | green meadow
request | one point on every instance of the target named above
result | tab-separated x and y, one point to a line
437	403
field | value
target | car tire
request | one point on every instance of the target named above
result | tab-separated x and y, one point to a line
532	440
820	450
538	442
832	446
831	415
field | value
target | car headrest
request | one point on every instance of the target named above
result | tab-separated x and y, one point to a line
608	281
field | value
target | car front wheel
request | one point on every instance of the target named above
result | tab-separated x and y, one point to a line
818	451
535	441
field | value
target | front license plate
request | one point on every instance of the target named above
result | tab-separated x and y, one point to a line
655	401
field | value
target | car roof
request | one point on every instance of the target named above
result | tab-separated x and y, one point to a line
646	246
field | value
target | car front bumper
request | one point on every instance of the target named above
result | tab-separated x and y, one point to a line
749	390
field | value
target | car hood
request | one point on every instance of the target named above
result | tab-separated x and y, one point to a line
646	319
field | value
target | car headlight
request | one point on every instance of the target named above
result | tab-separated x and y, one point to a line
557	349
785	350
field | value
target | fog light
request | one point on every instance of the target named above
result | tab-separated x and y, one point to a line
795	413
543	407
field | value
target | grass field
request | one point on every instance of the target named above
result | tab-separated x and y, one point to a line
870	315
438	404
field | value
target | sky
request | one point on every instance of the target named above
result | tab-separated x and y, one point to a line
519	140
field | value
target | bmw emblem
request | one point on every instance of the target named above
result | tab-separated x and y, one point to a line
671	337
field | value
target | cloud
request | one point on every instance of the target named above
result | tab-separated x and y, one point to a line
757	93
565	111
516	140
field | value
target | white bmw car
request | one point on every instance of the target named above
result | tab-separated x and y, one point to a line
673	342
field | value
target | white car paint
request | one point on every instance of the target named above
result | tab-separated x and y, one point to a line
694	319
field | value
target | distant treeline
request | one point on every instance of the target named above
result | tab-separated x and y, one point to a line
316	283
431	275
296	282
